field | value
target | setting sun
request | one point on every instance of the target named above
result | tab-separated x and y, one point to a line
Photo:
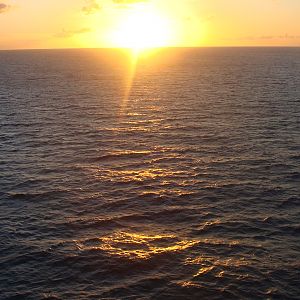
142	29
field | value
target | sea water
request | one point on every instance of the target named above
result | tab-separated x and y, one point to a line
173	175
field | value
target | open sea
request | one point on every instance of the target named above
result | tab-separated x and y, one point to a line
171	176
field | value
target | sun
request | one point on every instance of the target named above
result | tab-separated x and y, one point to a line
142	29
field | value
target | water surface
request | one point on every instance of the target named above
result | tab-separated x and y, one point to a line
187	189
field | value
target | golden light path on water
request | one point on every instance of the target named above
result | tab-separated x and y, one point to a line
140	247
135	56
133	60
147	245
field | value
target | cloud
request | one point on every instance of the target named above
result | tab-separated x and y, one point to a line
128	1
288	36
202	19
272	37
69	33
3	8
266	37
91	7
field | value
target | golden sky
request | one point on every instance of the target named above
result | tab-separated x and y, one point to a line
145	23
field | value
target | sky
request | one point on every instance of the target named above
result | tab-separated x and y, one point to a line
37	24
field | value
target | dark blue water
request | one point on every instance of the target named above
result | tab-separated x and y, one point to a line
184	186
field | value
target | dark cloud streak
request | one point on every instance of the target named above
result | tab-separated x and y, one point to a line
69	33
91	7
4	8
128	1
266	37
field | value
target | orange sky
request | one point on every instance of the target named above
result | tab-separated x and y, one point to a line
112	23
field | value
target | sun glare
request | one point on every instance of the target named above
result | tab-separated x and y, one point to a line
142	29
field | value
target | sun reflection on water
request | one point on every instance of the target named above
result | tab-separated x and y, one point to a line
135	57
138	246
212	266
133	61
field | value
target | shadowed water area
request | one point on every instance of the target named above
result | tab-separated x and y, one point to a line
185	186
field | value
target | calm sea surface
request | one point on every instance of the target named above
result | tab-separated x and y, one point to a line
179	180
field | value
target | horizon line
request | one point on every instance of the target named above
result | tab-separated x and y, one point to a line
128	48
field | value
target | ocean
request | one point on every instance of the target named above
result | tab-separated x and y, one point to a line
171	176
